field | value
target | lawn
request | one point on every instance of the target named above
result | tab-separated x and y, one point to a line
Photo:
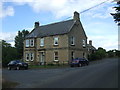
9	84
47	66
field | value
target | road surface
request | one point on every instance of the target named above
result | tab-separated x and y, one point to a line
99	74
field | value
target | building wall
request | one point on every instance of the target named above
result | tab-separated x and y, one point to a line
79	34
64	48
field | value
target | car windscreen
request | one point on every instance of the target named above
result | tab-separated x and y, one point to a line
12	62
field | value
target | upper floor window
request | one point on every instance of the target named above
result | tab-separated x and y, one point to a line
42	42
72	40
55	56
31	42
27	43
84	43
55	40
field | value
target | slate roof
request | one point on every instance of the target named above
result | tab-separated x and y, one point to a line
52	29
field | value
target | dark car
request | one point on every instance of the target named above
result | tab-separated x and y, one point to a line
79	62
17	64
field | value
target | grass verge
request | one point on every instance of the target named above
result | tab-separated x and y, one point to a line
47	66
9	84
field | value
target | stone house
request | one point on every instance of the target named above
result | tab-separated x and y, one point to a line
56	42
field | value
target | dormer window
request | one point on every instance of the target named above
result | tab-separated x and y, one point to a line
27	43
72	40
55	40
42	42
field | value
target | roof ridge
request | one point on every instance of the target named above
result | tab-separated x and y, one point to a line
56	22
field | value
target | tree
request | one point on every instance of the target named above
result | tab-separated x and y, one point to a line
116	15
19	42
99	54
8	53
110	53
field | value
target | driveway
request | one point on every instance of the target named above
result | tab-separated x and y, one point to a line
99	74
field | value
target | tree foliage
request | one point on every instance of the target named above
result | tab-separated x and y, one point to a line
116	15
99	54
19	41
8	53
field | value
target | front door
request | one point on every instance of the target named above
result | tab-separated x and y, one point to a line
42	58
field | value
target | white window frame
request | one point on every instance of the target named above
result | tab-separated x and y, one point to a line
55	56
72	40
31	42
31	56
41	41
56	40
27	56
84	43
27	43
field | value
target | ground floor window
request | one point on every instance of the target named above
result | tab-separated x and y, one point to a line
29	56
55	56
72	55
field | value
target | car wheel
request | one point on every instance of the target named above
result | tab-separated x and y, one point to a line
18	68
79	65
9	68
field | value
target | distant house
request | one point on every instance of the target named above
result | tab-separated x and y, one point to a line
56	42
91	48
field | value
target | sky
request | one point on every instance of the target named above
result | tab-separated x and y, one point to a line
97	22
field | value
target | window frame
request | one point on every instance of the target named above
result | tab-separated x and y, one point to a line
72	40
27	43
27	56
72	55
41	42
56	56
84	43
31	56
31	42
56	39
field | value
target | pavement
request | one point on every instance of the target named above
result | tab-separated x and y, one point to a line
99	74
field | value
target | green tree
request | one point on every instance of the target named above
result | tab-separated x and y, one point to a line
19	42
8	53
99	54
116	15
110	53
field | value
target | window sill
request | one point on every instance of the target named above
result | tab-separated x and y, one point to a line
56	60
30	47
41	46
72	44
56	45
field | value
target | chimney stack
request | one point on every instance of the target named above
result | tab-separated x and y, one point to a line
90	42
76	16
36	25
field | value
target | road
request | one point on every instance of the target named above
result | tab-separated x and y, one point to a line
99	74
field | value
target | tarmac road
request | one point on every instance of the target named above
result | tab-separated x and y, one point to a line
99	74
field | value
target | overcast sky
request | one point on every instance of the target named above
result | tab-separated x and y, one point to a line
97	22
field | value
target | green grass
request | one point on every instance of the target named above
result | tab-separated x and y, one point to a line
47	66
9	84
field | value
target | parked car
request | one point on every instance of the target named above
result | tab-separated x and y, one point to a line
17	64
79	62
